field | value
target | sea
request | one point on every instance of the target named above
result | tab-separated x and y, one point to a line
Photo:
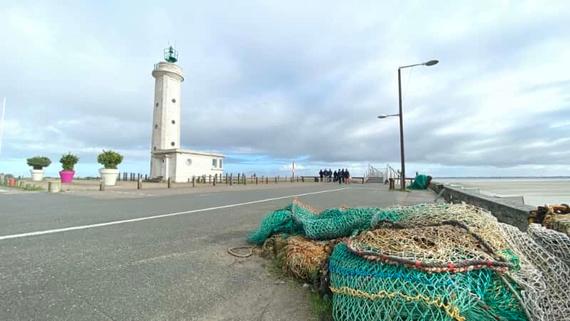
534	191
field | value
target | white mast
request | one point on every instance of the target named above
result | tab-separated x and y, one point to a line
293	170
2	123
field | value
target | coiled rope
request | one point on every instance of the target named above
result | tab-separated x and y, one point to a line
235	251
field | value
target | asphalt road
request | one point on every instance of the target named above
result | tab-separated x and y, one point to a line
70	257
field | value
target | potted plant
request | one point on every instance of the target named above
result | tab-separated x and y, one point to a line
67	161
109	159
38	163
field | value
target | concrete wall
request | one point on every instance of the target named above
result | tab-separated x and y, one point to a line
506	211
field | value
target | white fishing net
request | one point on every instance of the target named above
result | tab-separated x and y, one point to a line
544	276
555	242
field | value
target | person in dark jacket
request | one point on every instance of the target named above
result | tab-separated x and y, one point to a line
321	174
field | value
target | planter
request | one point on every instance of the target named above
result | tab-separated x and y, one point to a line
109	176
37	175
66	176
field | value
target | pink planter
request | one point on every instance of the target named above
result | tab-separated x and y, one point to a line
66	176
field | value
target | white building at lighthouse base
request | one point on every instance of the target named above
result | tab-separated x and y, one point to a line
181	165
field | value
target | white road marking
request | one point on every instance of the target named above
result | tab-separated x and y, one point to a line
84	227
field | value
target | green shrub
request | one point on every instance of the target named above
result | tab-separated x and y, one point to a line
38	162
109	159
68	161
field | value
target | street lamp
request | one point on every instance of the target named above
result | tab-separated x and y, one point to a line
403	173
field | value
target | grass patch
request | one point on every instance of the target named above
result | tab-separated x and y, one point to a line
24	187
31	188
321	306
275	267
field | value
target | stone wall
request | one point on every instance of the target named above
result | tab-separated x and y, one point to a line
506	211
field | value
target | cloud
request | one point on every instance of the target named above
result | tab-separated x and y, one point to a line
268	82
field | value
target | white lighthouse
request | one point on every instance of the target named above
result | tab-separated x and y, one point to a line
168	160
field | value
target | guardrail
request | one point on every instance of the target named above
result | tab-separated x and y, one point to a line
232	178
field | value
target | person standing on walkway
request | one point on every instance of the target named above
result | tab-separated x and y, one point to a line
321	174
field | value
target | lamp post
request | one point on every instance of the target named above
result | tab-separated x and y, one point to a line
400	114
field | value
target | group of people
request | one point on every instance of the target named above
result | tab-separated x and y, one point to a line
342	176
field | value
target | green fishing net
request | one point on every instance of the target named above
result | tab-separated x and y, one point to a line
370	290
329	224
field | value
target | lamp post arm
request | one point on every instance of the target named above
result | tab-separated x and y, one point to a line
386	116
408	66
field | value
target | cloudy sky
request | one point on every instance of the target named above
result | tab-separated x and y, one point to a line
269	82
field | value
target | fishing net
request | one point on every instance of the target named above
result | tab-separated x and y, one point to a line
276	222
336	223
420	182
544	277
424	262
273	246
372	290
305	258
477	220
447	247
558	244
298	219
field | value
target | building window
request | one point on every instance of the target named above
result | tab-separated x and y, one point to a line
214	163
173	122
155	126
156	104
154	148
221	163
172	144
173	100
189	161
